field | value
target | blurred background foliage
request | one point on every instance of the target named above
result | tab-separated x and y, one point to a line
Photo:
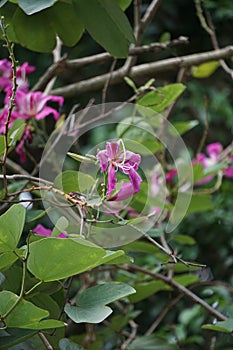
211	229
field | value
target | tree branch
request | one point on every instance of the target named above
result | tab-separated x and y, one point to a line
142	70
177	286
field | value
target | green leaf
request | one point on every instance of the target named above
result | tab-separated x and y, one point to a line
33	215
6	260
73	181
2	2
15	336
66	344
151	342
34	32
186	279
30	7
107	24
200	202
117	257
67	257
144	290
89	315
61	225
204	70
221	326
25	314
103	294
124	4
16	130
183	127
162	97
11	227
184	239
65	23
91	304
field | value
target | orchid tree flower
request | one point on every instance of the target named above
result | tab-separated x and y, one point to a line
6	75
34	105
213	151
40	230
113	159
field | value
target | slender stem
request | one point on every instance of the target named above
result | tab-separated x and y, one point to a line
9	46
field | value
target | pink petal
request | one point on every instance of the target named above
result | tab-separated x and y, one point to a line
126	191
111	179
135	180
170	175
103	158
228	172
47	111
214	150
113	150
42	231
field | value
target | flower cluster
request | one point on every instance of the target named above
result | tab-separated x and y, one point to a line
28	105
114	159
214	151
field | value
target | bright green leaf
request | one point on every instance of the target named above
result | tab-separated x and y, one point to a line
186	279
11	230
67	257
158	100
116	257
61	225
6	260
107	24
74	181
221	326
204	70
25	314
183	127
124	4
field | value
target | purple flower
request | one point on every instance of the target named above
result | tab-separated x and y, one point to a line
5	73
127	162
213	151
20	146
40	230
34	105
22	71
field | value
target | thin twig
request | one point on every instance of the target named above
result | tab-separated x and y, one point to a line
45	341
150	13
206	127
214	40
